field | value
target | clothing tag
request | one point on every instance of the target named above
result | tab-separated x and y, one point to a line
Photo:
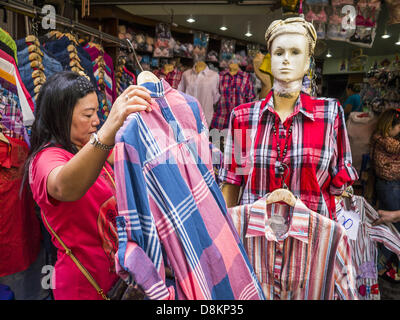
350	221
278	225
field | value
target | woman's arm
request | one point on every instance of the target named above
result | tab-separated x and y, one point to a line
231	194
71	181
387	216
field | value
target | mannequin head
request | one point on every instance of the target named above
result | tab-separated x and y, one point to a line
291	43
290	59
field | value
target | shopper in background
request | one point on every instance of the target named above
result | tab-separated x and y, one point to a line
71	178
385	156
387	217
353	101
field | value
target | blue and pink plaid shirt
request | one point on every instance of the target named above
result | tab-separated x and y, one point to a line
168	200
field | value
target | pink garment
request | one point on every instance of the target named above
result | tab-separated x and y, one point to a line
360	126
86	226
204	86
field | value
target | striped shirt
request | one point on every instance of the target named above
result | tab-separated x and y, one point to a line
364	249
306	257
318	154
168	199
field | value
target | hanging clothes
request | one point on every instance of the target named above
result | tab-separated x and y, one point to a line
364	249
19	226
35	64
103	69
173	77
66	49
168	198
292	259
9	41
235	90
204	86
123	77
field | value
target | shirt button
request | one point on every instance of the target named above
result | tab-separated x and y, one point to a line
276	276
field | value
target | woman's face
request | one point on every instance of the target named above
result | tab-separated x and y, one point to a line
289	57
394	131
84	119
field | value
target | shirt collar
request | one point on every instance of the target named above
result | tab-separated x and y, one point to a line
240	72
260	213
304	104
157	89
202	71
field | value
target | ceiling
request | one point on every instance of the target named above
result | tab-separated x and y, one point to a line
238	16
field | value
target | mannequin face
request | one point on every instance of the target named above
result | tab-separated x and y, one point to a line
289	57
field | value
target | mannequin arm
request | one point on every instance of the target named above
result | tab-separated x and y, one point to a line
231	194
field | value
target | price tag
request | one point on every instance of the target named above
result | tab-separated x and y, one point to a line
350	221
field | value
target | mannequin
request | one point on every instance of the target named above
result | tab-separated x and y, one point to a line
288	127
200	66
168	68
233	68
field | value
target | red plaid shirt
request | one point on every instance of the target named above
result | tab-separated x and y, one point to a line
318	155
173	78
234	90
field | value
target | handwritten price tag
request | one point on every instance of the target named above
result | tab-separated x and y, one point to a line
350	221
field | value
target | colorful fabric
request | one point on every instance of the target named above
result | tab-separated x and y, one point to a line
86	226
7	64
235	90
364	249
19	226
168	200
307	257
318	154
204	86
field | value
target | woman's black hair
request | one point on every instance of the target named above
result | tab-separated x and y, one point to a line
355	87
53	113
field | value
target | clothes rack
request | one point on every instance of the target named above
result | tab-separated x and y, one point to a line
32	11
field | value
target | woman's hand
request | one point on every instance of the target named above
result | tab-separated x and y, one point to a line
133	99
387	216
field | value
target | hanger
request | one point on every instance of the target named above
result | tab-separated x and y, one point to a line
348	193
282	194
144	76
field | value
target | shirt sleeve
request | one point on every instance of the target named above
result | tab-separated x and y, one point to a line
234	165
344	272
40	168
182	83
239	216
341	168
391	145
249	89
138	264
139	247
216	94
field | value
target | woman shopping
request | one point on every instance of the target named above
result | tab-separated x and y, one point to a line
71	179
